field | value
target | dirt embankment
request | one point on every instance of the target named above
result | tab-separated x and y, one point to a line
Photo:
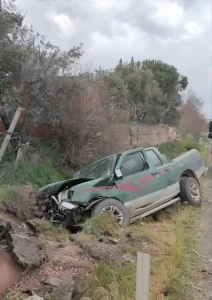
101	261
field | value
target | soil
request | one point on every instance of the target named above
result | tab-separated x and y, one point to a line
203	289
78	259
12	272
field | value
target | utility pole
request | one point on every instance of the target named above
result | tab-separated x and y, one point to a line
0	5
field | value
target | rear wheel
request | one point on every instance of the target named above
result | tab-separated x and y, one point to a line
190	191
117	209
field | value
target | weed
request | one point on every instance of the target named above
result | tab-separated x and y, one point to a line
109	282
103	224
38	175
52	232
171	247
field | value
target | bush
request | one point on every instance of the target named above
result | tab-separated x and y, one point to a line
176	148
38	175
103	224
172	149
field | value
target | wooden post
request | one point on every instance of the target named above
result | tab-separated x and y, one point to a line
209	153
10	132
143	276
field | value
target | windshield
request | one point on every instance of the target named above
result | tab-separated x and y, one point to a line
96	170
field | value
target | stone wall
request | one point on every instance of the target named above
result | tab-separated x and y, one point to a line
129	136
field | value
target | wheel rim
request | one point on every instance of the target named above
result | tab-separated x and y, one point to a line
195	193
115	212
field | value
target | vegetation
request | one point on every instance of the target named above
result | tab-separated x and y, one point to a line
52	232
176	148
170	246
17	202
101	225
38	175
61	98
79	108
192	118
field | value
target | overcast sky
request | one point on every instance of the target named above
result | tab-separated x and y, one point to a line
176	31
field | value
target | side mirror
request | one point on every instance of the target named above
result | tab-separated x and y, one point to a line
118	173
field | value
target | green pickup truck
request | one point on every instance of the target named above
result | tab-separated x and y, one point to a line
129	185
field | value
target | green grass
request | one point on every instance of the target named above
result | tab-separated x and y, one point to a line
38	175
176	148
103	224
110	281
52	232
172	242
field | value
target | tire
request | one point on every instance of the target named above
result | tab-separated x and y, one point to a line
108	205
190	191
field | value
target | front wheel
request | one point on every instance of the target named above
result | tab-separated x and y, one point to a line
190	191
115	208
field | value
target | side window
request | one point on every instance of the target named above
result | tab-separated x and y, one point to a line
132	164
154	158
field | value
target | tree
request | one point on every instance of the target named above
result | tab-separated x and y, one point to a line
31	66
143	90
171	83
40	77
118	94
192	120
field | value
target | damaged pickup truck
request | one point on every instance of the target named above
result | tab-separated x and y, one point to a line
130	185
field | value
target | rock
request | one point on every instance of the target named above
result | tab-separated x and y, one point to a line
35	297
129	258
79	289
101	251
101	239
26	251
65	289
55	282
33	225
5	227
20	229
113	241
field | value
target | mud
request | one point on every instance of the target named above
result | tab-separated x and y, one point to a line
9	270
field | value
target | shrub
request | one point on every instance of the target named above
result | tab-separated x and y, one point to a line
103	224
175	148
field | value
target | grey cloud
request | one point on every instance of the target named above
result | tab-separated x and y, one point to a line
191	57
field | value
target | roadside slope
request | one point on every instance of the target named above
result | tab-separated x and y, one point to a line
203	289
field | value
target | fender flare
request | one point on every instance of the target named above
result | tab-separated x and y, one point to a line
97	201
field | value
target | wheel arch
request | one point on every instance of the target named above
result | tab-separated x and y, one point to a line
189	173
93	202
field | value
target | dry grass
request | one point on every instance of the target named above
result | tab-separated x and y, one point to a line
103	224
171	256
174	242
15	201
52	232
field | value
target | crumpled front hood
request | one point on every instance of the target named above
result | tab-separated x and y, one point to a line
73	184
56	187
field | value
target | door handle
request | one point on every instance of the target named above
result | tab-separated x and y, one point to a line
154	173
167	169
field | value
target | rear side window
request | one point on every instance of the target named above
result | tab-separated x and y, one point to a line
132	164
154	158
